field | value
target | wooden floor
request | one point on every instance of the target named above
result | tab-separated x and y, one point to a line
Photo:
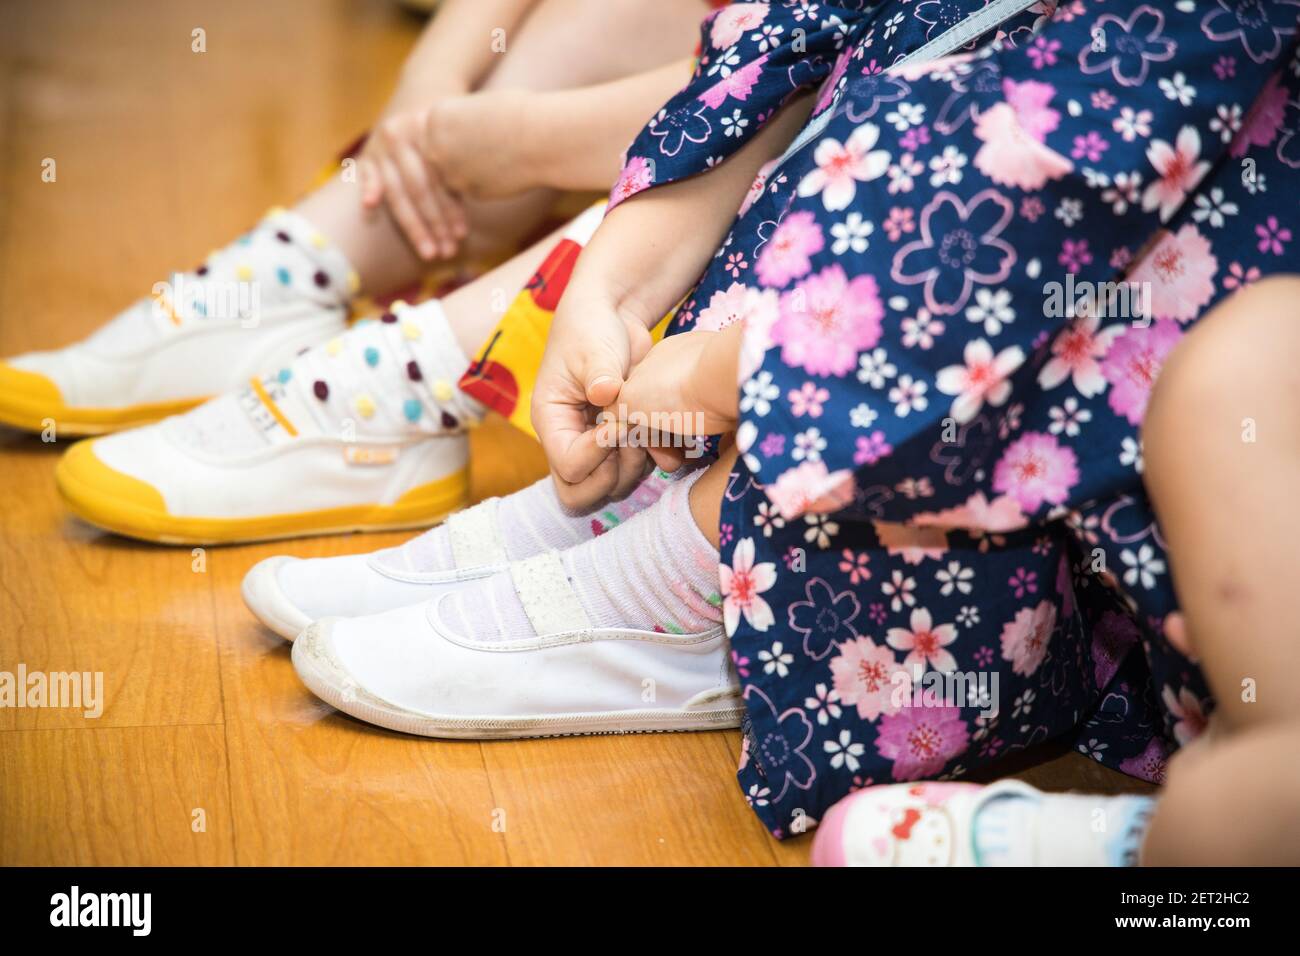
161	155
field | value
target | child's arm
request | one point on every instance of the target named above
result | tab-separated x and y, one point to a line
454	51
449	59
501	142
644	258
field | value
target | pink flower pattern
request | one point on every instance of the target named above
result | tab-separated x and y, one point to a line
928	284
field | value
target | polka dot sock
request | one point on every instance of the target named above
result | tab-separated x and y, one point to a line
654	572
282	259
529	522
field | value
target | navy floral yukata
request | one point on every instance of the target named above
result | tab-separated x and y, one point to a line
941	468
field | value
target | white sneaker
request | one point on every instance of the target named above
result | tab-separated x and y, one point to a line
286	594
407	670
350	436
250	307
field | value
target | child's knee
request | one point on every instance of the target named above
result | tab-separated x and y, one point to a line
1238	358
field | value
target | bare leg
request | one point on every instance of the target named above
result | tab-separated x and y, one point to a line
1222	448
562	44
706	494
474	309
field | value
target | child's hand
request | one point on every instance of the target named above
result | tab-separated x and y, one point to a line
686	386
589	352
646	255
486	145
393	168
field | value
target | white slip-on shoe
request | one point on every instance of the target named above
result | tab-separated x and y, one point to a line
350	436
250	307
407	670
286	594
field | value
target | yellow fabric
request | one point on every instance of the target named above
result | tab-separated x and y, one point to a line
504	372
28	400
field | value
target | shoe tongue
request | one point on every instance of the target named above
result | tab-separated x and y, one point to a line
358	387
276	407
222	428
324	391
260	414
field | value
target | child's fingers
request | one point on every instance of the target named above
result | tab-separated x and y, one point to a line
669	459
415	179
560	424
604	382
631	469
631	403
585	454
453	208
372	188
602	376
404	211
593	489
450	209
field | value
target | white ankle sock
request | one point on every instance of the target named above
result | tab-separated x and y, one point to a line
284	257
655	572
529	522
1060	829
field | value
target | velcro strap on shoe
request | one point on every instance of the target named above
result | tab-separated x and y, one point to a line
547	597
476	537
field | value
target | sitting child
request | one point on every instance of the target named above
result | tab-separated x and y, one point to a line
936	471
317	428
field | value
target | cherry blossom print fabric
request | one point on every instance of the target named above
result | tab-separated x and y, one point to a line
936	546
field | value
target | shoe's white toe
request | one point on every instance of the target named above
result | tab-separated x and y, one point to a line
267	600
316	659
286	594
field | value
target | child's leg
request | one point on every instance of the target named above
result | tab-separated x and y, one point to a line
706	495
1222	449
474	309
1232	805
562	44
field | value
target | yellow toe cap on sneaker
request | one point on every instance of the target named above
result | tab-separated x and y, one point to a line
32	401
27	399
107	497
118	502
